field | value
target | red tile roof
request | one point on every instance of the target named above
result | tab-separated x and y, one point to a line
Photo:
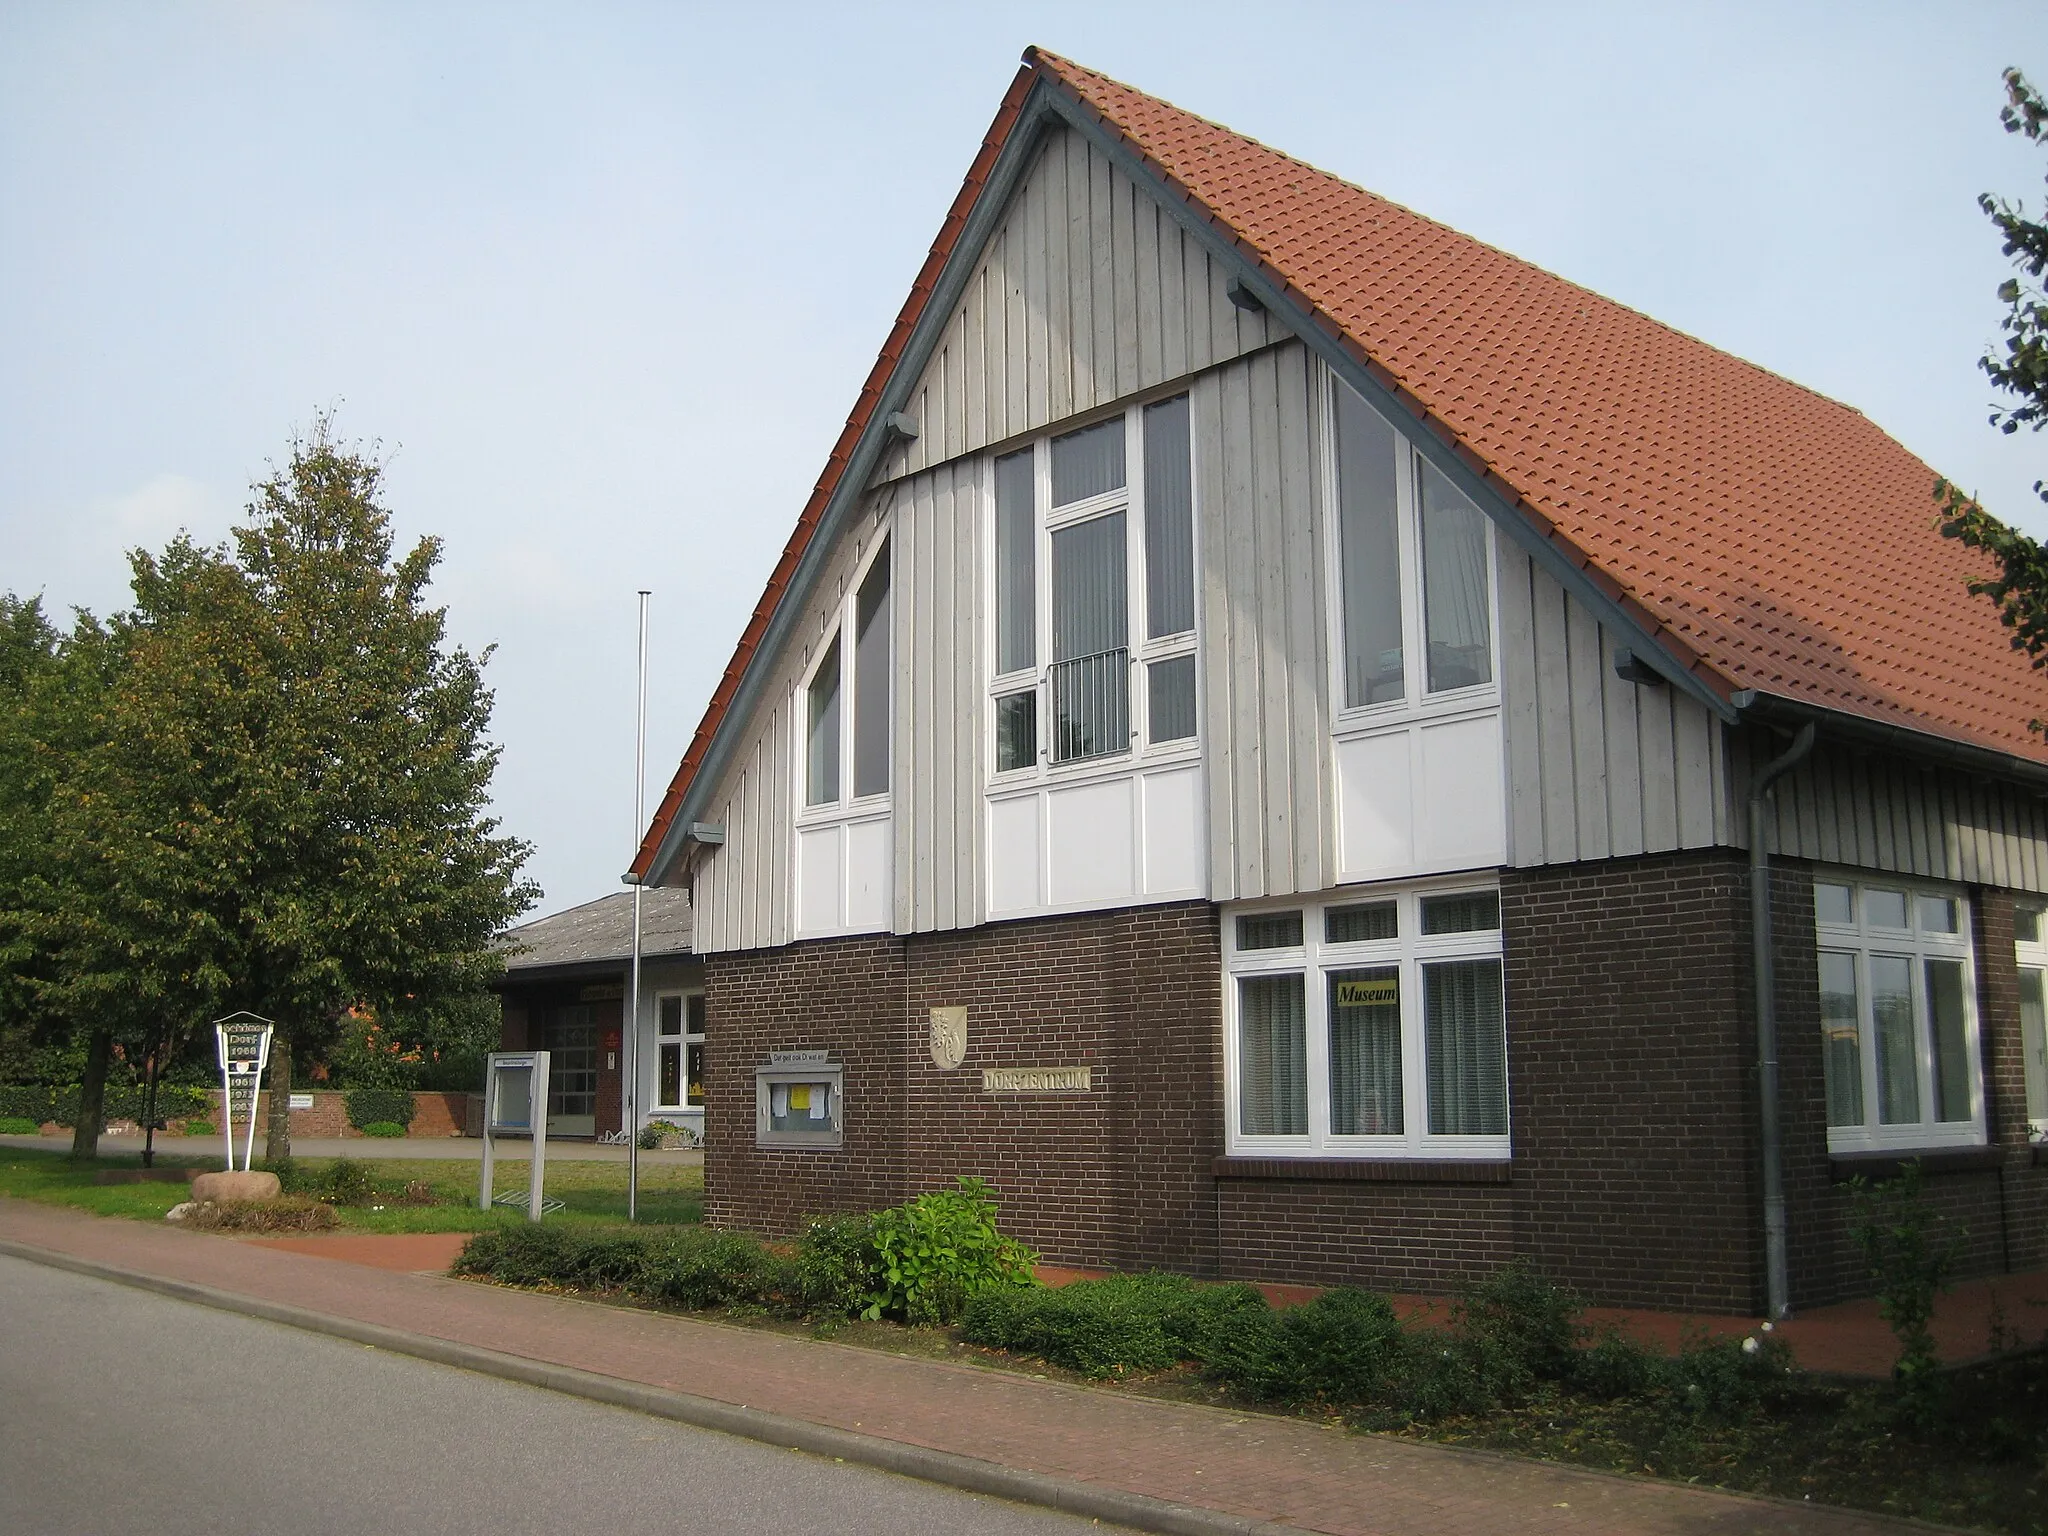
1770	538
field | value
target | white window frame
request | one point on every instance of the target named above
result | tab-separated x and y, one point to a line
2032	955
840	624
1312	960
1048	520
1917	945
1416	701
682	1041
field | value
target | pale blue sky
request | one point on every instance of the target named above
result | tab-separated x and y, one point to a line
604	278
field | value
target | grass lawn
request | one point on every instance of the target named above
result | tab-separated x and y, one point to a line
592	1193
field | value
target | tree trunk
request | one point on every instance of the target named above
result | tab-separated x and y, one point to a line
92	1095
277	1135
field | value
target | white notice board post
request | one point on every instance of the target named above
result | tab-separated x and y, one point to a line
516	1102
243	1043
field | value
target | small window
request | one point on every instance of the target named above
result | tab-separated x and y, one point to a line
1473	913
1088	463
1937	914
1368	922
679	1050
1017	730
2026	923
1016	565
1170	698
1834	903
1269	930
1884	909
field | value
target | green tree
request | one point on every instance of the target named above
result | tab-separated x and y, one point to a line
286	807
2020	589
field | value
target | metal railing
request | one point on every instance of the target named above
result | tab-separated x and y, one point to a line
1090	705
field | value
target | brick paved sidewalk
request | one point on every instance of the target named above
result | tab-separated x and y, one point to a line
1288	1472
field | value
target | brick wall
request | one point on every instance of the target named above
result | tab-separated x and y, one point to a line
1118	1175
1630	1082
1631	1055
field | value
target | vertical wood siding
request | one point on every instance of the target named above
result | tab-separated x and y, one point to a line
1087	293
1597	768
939	700
1258	499
742	897
1871	810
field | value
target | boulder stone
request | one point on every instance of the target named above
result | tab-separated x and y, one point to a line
236	1186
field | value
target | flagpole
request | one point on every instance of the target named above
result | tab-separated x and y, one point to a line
632	1094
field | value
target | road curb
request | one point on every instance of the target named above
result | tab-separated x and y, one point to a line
1088	1500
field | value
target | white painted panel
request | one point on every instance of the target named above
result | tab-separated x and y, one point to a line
868	847
1375	810
1173	832
1459	795
1092	843
1015	856
820	880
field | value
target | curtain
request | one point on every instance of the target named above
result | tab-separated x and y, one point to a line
1272	1051
1898	1049
1841	1034
822	771
1950	1027
1090	677
1169	524
1365	1052
1369	545
871	679
1455	603
1016	565
1088	462
1465	1045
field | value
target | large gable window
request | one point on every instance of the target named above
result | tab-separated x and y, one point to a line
1094	594
1414	574
849	747
1898	1016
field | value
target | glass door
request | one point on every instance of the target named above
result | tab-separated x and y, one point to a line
571	1041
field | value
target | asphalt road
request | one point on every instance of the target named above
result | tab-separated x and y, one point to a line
121	1411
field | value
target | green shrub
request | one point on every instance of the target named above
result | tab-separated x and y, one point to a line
697	1267
371	1106
345	1183
1519	1329
1121	1323
1910	1252
650	1138
1614	1367
18	1125
1725	1380
384	1128
201	1128
123	1101
1338	1348
938	1252
838	1270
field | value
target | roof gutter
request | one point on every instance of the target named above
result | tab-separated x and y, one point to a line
1011	162
1752	705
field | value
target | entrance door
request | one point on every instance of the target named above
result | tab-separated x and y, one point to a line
571	1040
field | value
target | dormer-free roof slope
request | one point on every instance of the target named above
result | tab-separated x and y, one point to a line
1766	537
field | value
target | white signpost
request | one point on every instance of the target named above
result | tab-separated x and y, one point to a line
243	1043
516	1102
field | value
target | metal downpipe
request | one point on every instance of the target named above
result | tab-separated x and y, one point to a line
1777	1285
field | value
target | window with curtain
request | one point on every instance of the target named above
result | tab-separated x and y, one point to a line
1369	1027
847	744
1897	1014
1094	546
821	738
1414	570
871	677
2030	949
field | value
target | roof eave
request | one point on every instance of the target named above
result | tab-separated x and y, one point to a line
1862	730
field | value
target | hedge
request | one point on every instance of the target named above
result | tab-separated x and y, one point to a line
373	1106
124	1102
